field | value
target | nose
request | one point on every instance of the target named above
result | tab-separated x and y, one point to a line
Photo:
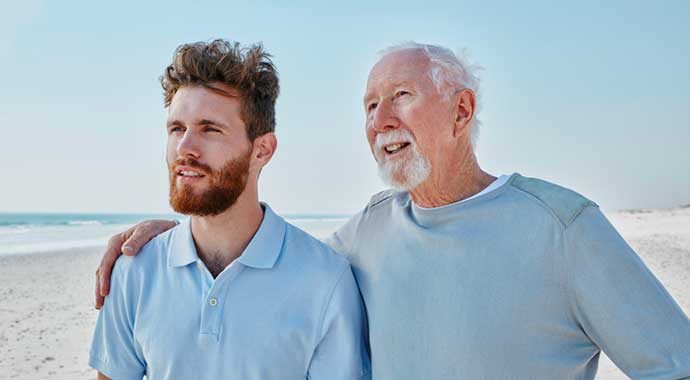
384	118
188	145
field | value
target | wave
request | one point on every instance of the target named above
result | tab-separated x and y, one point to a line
42	238
51	223
42	233
51	246
14	229
85	223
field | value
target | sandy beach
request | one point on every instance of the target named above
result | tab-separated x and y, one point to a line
47	314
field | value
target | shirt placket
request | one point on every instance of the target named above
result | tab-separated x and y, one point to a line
215	300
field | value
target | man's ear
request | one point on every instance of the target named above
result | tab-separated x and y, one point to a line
465	106
263	149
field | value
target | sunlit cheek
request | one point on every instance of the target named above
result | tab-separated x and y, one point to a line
371	135
171	150
369	126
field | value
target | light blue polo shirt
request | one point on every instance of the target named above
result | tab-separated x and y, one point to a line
287	308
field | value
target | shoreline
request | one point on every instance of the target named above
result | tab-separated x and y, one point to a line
52	252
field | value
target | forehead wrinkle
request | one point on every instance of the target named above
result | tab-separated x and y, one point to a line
200	102
402	67
404	72
387	84
407	59
229	92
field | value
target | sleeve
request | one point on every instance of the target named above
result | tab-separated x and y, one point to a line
114	351
621	306
342	353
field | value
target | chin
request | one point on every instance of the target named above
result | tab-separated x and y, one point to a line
405	175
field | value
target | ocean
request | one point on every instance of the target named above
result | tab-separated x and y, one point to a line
23	233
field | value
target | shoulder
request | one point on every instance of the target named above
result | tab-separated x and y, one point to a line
381	203
152	256
378	209
383	197
313	254
563	203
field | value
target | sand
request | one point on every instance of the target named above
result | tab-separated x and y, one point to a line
47	314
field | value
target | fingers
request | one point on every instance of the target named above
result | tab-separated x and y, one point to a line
143	233
97	293
129	243
112	251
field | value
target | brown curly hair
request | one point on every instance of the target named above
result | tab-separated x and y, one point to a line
247	69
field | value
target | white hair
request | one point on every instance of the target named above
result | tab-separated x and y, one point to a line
450	73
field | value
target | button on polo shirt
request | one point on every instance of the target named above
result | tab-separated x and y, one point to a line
287	308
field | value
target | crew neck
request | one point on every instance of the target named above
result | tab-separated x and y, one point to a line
433	215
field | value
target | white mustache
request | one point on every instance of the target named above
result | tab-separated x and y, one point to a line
397	135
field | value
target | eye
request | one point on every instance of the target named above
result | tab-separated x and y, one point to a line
371	107
176	128
211	129
400	94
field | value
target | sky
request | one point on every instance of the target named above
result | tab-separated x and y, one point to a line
592	95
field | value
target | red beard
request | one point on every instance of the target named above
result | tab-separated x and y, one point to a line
227	184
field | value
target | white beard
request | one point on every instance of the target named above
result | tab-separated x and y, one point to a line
397	172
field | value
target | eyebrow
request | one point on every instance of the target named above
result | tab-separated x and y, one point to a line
211	122
178	123
394	85
174	123
367	99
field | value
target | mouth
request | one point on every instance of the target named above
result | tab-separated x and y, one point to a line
395	148
188	174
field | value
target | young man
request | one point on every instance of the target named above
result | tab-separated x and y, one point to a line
234	292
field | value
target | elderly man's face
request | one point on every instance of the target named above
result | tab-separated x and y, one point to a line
408	120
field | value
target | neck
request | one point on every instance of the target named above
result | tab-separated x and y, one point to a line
458	179
220	239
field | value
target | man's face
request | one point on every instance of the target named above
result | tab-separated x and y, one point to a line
208	151
406	117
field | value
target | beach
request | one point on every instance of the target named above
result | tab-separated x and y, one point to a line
47	314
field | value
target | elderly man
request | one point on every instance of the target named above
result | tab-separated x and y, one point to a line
469	276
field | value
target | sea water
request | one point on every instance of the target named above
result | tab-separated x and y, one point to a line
23	233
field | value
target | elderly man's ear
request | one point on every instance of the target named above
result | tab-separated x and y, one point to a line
465	102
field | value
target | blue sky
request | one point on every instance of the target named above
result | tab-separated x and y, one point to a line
594	97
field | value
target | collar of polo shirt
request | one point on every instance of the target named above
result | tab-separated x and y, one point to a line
262	252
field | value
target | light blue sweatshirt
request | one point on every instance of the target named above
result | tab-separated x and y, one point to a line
528	281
